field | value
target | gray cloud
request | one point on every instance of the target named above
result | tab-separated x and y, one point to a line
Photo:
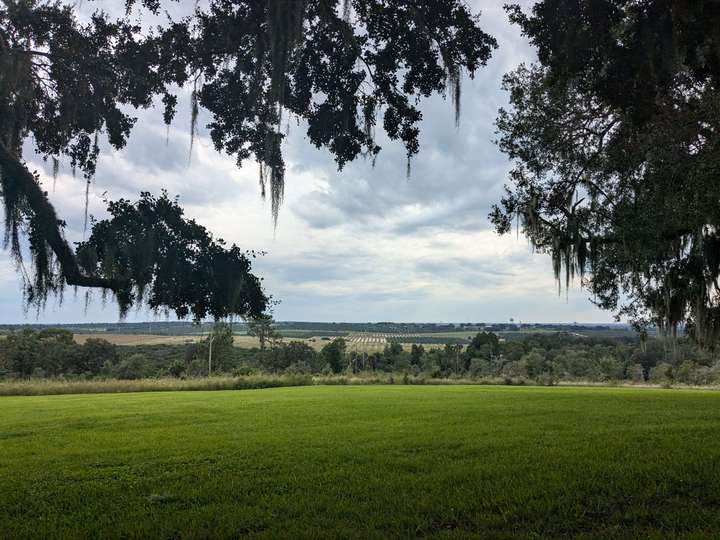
365	243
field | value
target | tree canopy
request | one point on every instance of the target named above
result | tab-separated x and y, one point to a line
68	83
614	139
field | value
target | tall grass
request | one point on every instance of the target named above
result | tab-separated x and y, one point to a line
37	387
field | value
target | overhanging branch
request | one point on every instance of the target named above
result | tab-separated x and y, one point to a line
15	174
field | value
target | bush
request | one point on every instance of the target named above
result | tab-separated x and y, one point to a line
480	367
515	369
298	368
242	371
546	379
636	373
333	354
327	370
685	373
95	353
661	374
131	368
280	358
177	368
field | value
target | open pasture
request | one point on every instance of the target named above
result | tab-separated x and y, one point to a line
136	339
240	340
362	462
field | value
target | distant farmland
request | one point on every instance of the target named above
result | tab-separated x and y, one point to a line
137	339
371	342
360	342
368	342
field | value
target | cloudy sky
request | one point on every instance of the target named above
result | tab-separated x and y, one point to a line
364	244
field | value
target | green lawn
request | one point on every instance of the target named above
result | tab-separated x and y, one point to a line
362	462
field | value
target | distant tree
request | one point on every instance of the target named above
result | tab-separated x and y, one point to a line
515	369
51	351
95	353
286	355
573	364
217	349
661	374
333	355
54	335
484	342
416	354
535	363
430	364
686	372
177	368
610	368
636	373
480	367
650	355
513	350
262	327
453	359
131	368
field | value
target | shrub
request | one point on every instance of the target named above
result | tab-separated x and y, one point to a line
177	368
479	367
95	353
515	369
685	373
242	371
546	379
334	355
661	374
131	368
298	368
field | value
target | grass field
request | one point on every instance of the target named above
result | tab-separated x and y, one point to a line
243	341
362	462
137	339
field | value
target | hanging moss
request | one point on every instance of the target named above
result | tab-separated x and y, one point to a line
194	112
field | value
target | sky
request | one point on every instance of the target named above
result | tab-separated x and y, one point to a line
363	244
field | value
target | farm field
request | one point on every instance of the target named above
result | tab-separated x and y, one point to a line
375	342
136	339
359	342
362	462
240	340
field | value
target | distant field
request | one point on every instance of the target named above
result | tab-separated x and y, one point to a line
136	339
147	339
362	462
368	343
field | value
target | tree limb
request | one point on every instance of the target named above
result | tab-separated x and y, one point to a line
16	173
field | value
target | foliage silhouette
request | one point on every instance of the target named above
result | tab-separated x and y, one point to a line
614	137
336	65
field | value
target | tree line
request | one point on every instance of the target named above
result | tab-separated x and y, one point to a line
538	358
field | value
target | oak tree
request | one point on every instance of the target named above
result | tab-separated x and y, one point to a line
340	67
614	138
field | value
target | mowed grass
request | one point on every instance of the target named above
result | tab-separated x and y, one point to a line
362	462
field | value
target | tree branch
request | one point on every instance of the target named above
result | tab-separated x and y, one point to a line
30	52
14	172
